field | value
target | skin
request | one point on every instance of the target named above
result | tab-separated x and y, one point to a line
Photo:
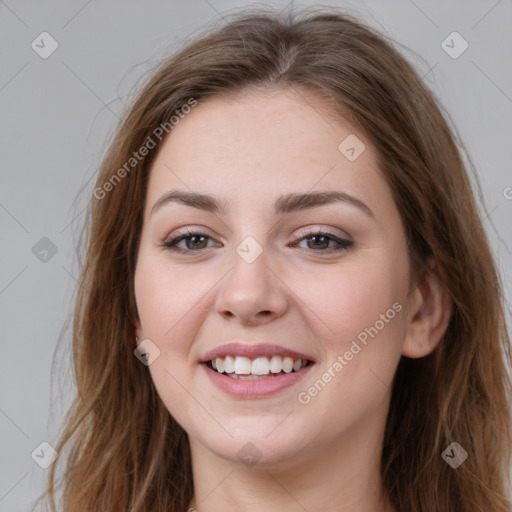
249	149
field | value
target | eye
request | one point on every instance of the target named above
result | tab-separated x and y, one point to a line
316	241
319	241
193	241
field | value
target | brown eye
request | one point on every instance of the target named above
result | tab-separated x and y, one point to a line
325	242
196	241
190	242
318	242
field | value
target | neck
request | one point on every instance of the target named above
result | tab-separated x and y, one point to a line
343	478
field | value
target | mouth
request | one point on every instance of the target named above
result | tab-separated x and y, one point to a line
244	368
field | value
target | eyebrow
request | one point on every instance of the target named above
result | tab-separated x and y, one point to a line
285	204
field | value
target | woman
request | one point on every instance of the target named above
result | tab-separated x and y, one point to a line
288	299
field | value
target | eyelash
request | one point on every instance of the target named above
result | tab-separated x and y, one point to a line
343	245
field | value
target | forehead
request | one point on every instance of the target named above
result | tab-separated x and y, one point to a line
261	144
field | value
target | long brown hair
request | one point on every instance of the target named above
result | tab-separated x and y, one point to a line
123	449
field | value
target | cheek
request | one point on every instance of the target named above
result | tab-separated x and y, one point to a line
168	298
169	305
359	312
351	297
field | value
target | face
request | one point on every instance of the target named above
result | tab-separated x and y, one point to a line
301	300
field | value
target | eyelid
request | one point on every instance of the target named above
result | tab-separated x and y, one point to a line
194	228
186	232
326	230
189	230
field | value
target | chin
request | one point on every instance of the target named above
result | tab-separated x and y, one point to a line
259	442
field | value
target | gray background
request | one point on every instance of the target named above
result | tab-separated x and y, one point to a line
57	116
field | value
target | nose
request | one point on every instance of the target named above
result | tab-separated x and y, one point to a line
252	293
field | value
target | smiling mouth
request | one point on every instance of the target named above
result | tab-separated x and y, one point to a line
244	368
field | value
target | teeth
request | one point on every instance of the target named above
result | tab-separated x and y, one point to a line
260	366
243	365
243	377
276	364
229	364
239	367
287	364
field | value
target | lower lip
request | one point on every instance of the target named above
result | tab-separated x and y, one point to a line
255	388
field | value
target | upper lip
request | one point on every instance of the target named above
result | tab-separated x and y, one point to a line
252	350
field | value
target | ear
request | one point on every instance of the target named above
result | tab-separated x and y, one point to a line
138	329
429	312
